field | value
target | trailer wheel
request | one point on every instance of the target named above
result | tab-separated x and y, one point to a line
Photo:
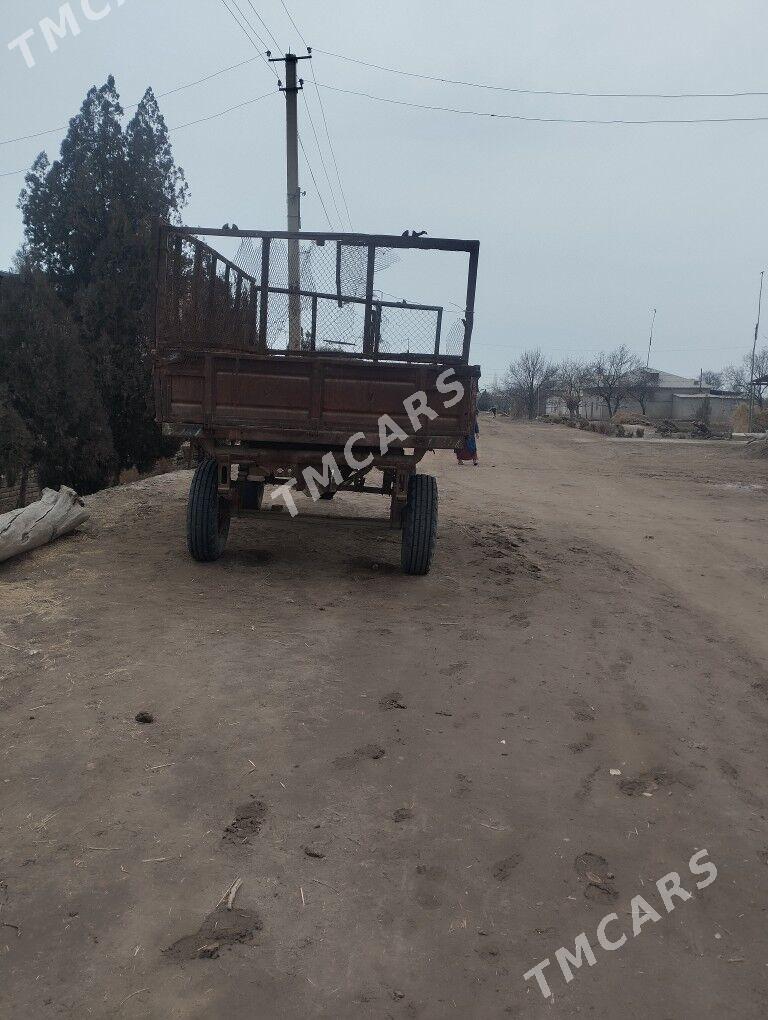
419	525
208	514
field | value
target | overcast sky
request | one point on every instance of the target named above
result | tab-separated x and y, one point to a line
584	229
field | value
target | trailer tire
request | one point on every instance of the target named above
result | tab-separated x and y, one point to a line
419	525
208	514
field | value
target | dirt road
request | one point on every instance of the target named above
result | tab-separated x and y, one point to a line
427	785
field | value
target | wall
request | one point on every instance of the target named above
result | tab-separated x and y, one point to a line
687	407
661	406
9	494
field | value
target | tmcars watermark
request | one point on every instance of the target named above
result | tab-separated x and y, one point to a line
642	912
54	29
389	434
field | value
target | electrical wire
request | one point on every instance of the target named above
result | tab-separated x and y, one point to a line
244	24
544	92
312	124
269	63
290	18
245	30
266	26
134	106
179	127
312	175
322	161
325	119
543	120
330	146
222	113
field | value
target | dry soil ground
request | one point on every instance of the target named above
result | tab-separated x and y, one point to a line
411	776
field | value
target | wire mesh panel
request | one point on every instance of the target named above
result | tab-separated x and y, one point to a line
305	293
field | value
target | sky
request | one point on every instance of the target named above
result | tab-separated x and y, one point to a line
584	228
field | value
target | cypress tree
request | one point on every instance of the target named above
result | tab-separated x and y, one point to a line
49	404
89	223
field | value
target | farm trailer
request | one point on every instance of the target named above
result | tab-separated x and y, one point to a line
277	355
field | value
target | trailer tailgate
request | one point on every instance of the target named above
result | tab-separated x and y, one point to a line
251	396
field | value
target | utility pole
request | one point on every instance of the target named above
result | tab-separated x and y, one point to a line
754	348
291	89
650	341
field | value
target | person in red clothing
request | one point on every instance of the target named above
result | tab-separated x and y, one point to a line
467	448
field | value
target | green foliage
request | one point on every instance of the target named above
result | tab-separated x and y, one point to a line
49	404
15	439
89	221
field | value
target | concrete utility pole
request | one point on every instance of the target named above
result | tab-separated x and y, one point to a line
291	89
754	348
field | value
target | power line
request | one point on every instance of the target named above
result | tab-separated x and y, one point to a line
245	25
543	120
208	77
222	113
325	122
134	106
312	175
314	132
290	18
266	26
246	28
330	146
544	92
322	161
272	68
179	127
325	119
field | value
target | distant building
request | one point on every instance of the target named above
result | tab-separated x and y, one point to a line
670	396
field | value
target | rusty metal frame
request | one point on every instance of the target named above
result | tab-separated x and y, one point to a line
170	235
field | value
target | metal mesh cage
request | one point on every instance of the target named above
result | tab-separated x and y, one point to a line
300	293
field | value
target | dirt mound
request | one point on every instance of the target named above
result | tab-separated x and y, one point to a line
757	448
630	418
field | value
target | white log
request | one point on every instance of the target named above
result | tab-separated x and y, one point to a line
54	514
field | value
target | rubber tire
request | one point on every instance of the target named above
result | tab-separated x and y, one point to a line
419	525
208	515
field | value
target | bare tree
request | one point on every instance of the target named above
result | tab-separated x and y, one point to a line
735	378
761	370
571	376
642	387
612	376
527	377
713	379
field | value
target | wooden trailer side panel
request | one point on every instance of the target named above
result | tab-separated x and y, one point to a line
260	397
